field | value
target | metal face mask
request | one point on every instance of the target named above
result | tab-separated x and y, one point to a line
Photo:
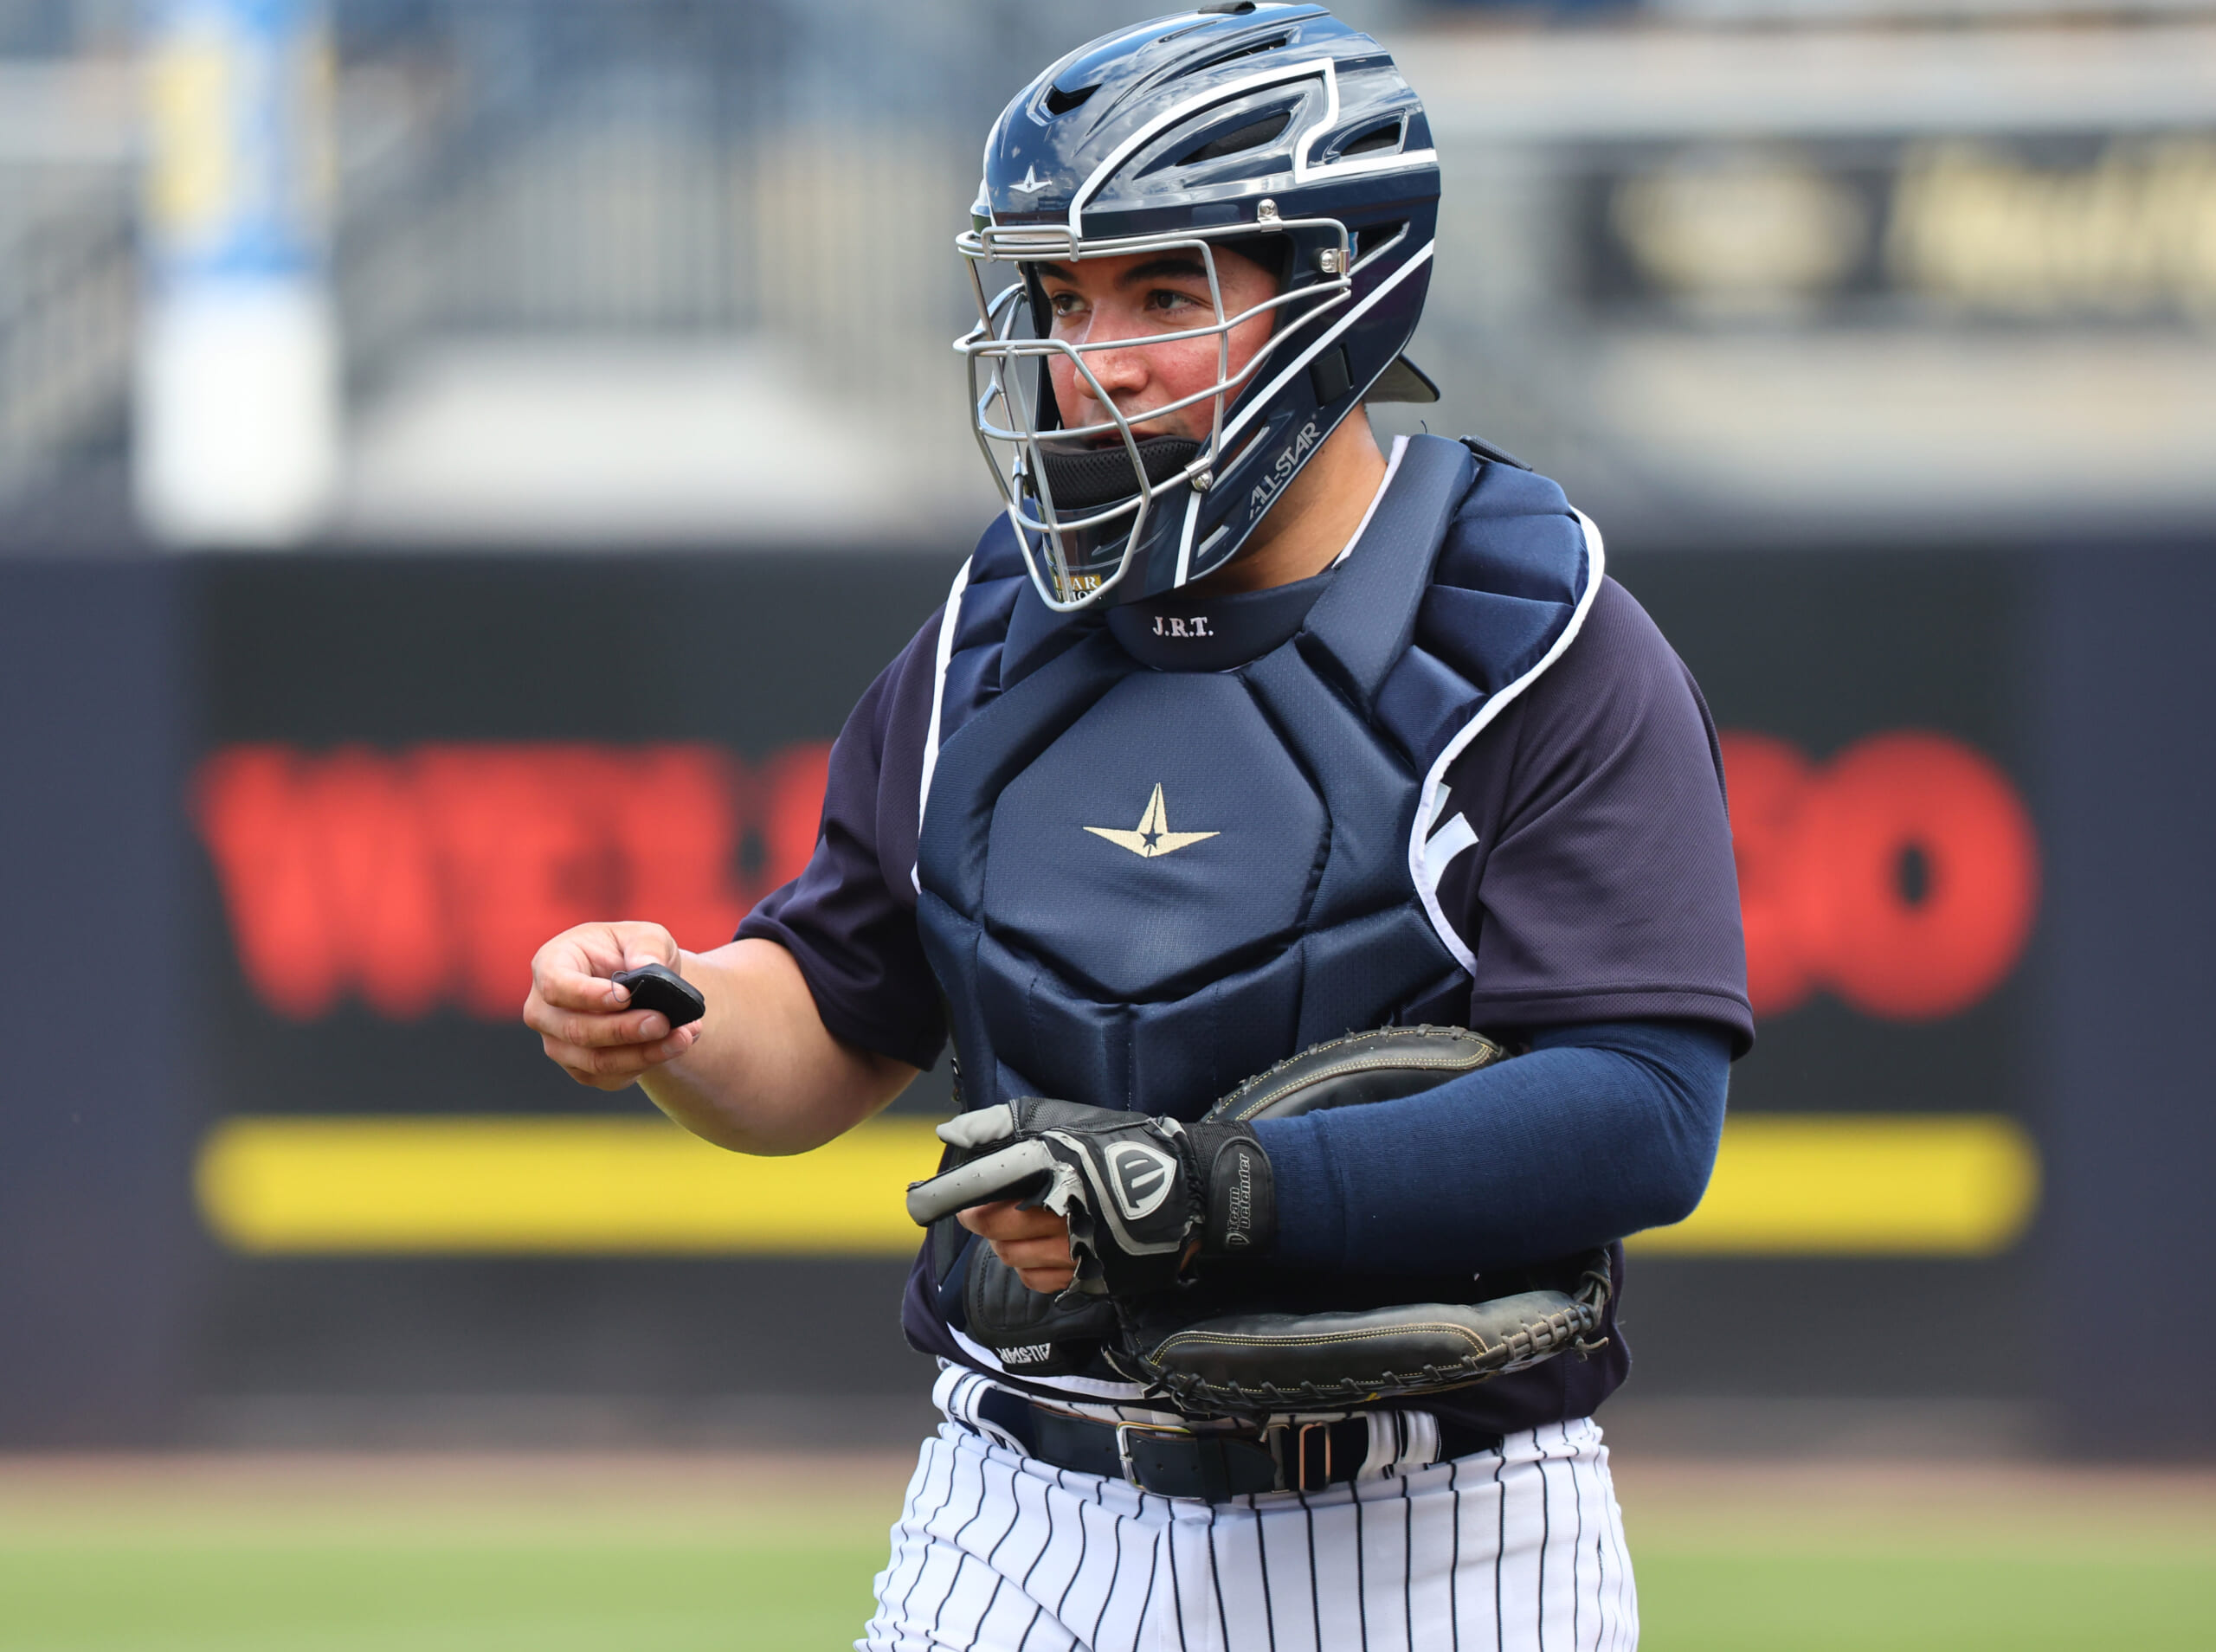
1272	129
1082	494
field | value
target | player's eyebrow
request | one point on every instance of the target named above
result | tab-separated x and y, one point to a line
1153	270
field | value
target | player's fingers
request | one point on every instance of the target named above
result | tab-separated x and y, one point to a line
600	1081
654	946
571	972
990	1179
595	1032
593	1064
1008	1220
1047	1281
589	1066
1035	1253
569	984
1012	1219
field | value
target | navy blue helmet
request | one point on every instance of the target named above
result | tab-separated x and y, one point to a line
1274	131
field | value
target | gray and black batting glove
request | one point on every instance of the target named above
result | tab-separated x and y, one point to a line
1136	1192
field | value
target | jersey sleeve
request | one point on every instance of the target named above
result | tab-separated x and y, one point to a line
849	919
1607	890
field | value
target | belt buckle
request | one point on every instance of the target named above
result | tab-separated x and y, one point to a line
1123	1433
1296	1478
1301	1432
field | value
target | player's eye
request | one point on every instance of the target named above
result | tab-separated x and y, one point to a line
1170	302
1065	303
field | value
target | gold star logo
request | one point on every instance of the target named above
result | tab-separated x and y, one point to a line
1154	836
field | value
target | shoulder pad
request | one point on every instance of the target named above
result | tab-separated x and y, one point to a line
1485	450
997	555
1510	577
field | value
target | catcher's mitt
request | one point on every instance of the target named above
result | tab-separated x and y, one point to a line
1218	1345
1252	1360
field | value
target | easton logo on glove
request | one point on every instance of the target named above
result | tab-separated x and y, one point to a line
1141	1195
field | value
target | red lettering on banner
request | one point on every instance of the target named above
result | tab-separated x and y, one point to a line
432	876
1767	779
326	871
1903	875
794	814
379	883
524	848
679	818
257	819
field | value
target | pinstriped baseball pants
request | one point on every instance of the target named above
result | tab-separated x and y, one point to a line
1518	1550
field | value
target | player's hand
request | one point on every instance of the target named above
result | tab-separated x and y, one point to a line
584	1019
1139	1196
1035	1243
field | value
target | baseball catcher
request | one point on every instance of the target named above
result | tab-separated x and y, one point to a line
1320	871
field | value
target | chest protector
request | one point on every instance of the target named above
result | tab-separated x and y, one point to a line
1139	888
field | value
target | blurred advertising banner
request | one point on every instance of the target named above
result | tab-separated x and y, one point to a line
1936	284
1902	875
414	771
426	878
281	836
2086	230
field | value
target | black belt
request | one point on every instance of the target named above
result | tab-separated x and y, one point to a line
1213	1465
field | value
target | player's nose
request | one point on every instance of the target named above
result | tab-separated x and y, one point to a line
1119	370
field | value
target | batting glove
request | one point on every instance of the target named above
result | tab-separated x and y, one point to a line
1138	1192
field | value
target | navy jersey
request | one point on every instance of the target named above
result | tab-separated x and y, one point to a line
1577	857
1598	886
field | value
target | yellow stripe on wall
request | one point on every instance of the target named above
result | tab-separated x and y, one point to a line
1853	1184
590	1186
1785	1185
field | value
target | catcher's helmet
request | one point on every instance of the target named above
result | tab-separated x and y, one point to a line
1274	129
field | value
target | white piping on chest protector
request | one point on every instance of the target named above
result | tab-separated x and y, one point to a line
949	624
1424	866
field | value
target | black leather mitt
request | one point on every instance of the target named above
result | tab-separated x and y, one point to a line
1259	1359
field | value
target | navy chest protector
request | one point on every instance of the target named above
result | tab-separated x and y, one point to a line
1139	888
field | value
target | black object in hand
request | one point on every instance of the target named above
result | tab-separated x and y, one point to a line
666	992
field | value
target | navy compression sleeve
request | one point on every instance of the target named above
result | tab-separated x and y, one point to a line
1600	1130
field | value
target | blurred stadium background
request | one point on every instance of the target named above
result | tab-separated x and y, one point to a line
458	460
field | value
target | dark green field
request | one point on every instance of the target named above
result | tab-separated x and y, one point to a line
638	1555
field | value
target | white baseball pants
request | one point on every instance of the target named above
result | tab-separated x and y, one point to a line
1518	1550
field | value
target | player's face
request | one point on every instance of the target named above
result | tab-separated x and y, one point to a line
1140	297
